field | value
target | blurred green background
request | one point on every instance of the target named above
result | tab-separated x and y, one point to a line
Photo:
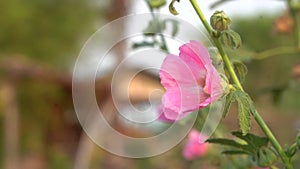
39	43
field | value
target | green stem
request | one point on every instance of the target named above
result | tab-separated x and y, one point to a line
236	81
273	140
218	44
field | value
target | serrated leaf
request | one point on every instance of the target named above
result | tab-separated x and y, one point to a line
157	3
231	39
244	117
241	70
172	8
236	152
245	107
255	142
230	98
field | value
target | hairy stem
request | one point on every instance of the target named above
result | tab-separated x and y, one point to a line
236	81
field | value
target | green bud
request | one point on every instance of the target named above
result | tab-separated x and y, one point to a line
265	157
220	21
157	3
231	39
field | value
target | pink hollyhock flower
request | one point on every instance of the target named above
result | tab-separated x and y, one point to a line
195	146
190	80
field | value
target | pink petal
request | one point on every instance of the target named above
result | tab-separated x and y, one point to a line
182	100
174	72
194	53
213	83
190	80
195	146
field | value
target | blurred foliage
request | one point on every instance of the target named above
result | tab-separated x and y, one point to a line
45	30
272	74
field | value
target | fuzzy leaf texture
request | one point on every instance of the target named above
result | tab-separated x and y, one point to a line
231	39
244	117
241	70
230	98
245	107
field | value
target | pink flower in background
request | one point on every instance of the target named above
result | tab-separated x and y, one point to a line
190	80
195	146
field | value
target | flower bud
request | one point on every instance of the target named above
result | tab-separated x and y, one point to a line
266	157
220	21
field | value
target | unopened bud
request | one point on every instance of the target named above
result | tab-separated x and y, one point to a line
220	21
266	157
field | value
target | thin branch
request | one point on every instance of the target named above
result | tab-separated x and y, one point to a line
286	50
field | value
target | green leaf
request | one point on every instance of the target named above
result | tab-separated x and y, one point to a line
245	106
231	143
241	70
172	8
290	151
236	152
230	98
244	117
231	39
226	142
157	3
255	142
